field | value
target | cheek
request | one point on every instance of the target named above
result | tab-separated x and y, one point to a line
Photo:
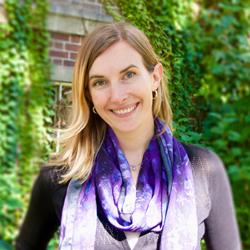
148	98
98	100
145	92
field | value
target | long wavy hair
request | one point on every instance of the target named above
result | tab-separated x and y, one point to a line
81	141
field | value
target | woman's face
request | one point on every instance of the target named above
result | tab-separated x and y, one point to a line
121	88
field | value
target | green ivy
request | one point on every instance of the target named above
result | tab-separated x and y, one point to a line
222	30
25	97
206	54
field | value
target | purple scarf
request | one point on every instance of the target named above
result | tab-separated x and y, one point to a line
164	200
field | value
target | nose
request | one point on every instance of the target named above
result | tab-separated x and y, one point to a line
118	93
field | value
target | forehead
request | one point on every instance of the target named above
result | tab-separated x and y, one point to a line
117	57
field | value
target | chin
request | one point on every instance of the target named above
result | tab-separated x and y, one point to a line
126	128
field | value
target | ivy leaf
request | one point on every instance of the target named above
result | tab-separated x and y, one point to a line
4	245
236	151
234	136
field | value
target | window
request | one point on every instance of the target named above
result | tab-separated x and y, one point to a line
62	107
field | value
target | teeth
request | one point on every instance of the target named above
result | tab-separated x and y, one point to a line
124	111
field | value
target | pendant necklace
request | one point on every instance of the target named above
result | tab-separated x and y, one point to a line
134	166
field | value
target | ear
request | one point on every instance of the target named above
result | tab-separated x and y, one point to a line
157	76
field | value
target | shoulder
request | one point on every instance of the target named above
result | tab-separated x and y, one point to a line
199	152
203	159
49	182
208	174
50	175
214	200
44	213
205	164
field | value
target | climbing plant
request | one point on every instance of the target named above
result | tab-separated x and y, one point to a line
222	38
204	46
205	51
25	97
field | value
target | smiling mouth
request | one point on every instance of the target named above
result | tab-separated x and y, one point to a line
125	111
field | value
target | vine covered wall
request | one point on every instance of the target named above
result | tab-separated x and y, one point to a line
206	53
204	47
25	97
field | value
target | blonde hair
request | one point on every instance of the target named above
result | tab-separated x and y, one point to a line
82	139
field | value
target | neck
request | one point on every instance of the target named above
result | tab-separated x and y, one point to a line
134	144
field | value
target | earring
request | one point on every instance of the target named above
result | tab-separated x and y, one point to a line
94	111
154	94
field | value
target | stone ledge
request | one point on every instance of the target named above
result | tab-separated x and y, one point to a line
62	74
74	21
79	13
68	20
71	25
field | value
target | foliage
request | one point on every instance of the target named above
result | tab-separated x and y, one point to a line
4	245
203	46
221	38
206	53
25	94
54	243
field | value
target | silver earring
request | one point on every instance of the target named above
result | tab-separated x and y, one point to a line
154	94
94	111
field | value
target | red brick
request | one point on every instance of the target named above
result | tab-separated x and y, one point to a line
72	47
75	39
57	62
61	37
51	44
73	55
68	63
58	45
58	54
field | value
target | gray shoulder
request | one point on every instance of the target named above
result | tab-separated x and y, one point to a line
207	170
214	201
203	160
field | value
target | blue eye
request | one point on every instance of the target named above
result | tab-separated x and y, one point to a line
99	83
129	75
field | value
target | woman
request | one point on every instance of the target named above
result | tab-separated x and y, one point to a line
122	181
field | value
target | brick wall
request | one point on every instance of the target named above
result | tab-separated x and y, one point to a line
63	49
68	22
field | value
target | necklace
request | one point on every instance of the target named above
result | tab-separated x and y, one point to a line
134	166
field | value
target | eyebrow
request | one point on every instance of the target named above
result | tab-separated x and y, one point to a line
122	71
130	66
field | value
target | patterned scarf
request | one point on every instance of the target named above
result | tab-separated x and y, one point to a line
163	201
